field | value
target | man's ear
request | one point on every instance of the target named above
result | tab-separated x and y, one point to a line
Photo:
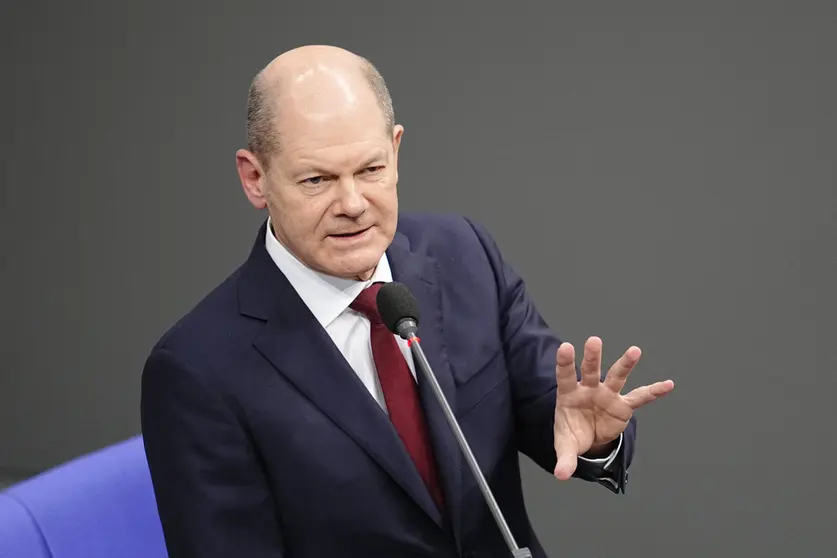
397	133
251	175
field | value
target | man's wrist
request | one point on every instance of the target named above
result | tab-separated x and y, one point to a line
598	451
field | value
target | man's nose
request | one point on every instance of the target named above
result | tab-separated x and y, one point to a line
352	202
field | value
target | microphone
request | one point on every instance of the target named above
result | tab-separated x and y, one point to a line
399	311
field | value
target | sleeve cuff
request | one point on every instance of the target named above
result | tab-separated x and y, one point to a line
610	472
606	462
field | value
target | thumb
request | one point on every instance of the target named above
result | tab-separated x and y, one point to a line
567	457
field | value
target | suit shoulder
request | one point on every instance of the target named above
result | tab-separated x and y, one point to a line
416	220
440	232
197	333
459	245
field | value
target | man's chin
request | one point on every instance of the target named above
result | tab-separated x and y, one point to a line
356	260
360	267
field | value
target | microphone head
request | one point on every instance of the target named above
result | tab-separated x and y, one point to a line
395	304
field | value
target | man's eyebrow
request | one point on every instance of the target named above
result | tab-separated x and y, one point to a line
372	158
308	167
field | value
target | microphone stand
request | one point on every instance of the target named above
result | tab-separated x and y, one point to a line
407	329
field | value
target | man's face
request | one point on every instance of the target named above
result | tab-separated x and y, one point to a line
331	189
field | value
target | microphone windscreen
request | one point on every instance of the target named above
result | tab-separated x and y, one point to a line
395	303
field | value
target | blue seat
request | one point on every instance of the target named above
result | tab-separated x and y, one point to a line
19	535
100	505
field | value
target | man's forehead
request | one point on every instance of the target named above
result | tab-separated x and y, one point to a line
354	129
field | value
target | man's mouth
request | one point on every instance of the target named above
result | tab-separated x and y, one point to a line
351	234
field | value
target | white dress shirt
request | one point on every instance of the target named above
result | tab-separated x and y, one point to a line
329	298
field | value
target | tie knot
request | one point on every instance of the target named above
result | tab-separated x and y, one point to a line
366	303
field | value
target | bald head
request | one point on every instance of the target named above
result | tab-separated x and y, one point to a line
323	159
310	82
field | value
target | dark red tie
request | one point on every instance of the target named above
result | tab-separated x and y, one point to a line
400	392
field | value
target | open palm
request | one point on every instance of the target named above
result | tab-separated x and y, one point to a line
589	413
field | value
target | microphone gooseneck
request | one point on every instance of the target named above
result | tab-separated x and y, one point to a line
399	311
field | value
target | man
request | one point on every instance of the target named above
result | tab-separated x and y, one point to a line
281	419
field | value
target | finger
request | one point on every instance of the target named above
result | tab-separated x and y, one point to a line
591	365
565	368
646	394
621	369
565	451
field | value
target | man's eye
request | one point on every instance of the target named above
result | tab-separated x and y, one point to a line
373	169
314	180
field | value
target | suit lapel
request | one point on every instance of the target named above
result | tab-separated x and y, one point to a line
298	346
419	273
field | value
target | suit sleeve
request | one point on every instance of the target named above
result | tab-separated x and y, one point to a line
212	496
530	349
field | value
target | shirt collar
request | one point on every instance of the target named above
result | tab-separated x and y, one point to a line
327	297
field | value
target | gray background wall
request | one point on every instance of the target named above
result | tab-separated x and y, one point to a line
661	173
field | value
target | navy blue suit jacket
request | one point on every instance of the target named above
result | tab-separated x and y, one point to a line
263	443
